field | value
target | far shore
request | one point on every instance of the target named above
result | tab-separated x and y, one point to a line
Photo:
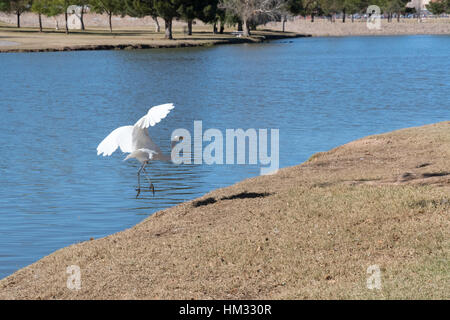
31	40
128	33
311	231
325	28
131	33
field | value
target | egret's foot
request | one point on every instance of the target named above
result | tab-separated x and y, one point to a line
138	192
152	187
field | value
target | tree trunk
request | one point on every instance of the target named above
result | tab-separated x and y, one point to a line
110	22
398	16
246	28
157	28
312	17
222	27
215	28
168	28
18	19
284	23
343	15
82	17
65	17
40	22
353	18
189	27
239	26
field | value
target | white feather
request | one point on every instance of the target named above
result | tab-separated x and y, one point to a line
141	155
154	115
120	137
133	138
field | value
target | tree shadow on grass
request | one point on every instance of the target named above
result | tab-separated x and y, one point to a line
242	195
247	195
204	202
435	174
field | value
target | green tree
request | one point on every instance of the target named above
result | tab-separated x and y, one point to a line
331	7
55	8
294	7
62	6
188	11
110	7
205	10
168	10
232	20
291	7
15	6
40	7
4	5
396	6
84	5
352	7
313	8
142	8
211	13
439	7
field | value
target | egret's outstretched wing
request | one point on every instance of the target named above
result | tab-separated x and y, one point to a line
154	115
121	137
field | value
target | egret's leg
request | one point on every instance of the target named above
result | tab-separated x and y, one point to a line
152	187
139	180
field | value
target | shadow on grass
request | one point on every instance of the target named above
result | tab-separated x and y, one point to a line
205	202
242	195
247	195
435	174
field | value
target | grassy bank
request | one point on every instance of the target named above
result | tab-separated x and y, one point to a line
31	40
309	231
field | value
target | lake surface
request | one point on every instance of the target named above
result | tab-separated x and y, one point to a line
56	107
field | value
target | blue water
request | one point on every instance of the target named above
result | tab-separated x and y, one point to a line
56	107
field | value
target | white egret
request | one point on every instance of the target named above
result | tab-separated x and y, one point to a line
136	141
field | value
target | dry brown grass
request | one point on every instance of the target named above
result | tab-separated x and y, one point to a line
309	231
